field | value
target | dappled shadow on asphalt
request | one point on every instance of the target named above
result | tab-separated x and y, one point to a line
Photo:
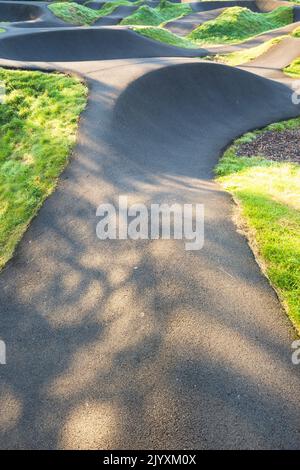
141	344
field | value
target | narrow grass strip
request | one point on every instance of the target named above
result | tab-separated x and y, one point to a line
81	15
268	195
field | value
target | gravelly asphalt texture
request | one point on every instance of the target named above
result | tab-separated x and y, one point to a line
274	145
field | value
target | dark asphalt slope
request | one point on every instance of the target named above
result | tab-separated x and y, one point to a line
141	344
163	107
73	44
188	23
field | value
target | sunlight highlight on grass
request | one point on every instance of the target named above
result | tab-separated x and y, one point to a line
268	193
38	123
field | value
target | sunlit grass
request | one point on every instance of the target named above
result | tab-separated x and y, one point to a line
161	14
38	123
268	194
237	24
234	25
293	69
296	32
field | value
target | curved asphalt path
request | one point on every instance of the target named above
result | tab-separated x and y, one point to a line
272	62
141	344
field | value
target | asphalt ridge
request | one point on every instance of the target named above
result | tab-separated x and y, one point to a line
85	44
141	344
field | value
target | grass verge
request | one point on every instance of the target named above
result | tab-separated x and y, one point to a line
81	15
237	24
164	12
38	123
268	197
293	69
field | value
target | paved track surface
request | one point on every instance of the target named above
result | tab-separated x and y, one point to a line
116	16
276	58
185	25
141	344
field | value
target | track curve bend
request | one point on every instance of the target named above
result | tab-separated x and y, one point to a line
84	44
12	12
194	110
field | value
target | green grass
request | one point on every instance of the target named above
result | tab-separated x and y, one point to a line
77	14
38	123
293	69
245	55
238	24
159	34
164	12
296	32
268	194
